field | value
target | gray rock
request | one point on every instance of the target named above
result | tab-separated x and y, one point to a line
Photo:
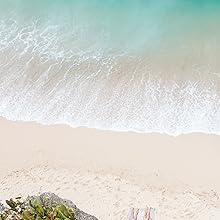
2	208
52	199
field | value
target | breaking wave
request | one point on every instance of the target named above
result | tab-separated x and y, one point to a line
53	76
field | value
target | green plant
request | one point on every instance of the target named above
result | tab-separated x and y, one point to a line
35	210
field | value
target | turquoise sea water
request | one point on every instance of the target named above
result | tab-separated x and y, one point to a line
134	25
143	65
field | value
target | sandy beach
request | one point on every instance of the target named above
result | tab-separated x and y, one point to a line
106	172
138	83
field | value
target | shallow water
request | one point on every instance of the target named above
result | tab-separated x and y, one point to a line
145	66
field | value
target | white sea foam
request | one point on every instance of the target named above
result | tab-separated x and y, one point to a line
42	80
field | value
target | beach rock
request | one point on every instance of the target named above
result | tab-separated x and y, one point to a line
52	199
2	208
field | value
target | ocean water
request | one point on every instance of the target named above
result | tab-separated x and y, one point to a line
123	65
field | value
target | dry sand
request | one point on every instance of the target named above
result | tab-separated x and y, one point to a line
105	172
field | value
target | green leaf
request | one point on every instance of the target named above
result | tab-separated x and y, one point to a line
39	218
11	204
26	215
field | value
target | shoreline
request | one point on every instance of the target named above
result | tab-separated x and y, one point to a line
166	170
63	124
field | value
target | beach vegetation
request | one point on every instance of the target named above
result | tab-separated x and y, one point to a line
35	210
